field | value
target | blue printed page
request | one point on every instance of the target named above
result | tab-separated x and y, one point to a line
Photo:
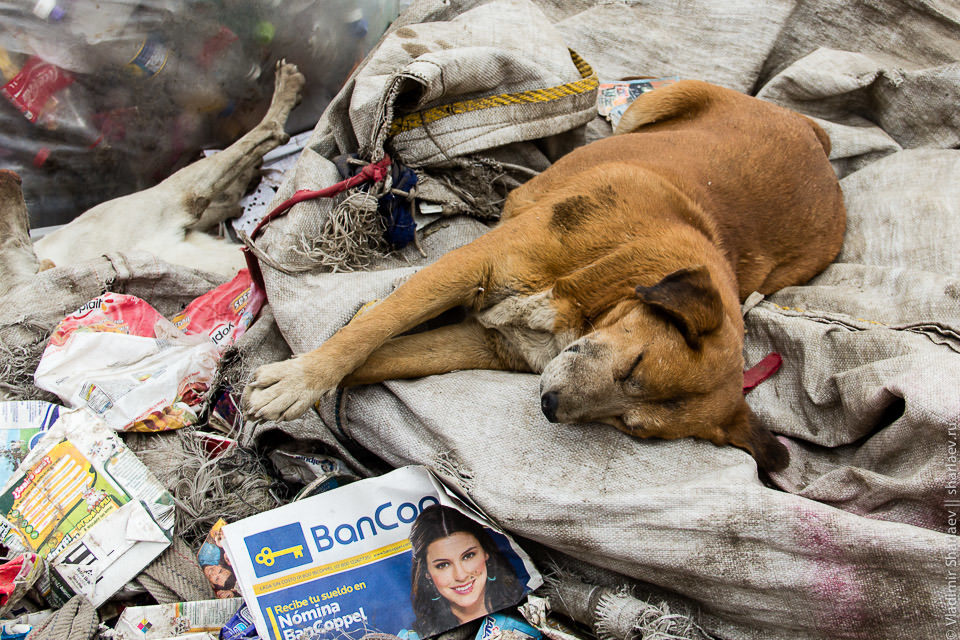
392	554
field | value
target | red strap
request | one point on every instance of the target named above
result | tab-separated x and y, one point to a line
761	371
374	172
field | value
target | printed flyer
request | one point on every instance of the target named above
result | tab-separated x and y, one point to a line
394	554
155	622
21	424
84	502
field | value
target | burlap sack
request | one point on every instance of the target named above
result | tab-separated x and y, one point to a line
853	540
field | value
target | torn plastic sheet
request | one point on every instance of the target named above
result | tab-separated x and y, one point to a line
84	502
305	469
122	360
117	357
176	619
536	611
225	313
17	577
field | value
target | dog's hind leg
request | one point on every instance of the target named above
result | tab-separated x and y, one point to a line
284	390
456	347
18	262
202	183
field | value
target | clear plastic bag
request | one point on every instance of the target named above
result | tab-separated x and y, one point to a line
99	98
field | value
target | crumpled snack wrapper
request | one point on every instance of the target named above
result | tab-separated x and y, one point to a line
119	358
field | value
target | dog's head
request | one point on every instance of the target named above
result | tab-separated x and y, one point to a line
665	361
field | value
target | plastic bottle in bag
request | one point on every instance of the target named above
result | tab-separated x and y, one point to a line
42	92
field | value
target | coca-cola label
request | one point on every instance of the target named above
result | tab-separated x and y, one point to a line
33	87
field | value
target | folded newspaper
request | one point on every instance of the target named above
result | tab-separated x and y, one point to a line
84	502
395	554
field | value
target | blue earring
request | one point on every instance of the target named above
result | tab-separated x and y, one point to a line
491	578
435	599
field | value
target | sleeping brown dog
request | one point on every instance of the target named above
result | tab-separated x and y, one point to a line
617	274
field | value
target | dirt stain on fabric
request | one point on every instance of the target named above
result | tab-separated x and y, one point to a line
415	49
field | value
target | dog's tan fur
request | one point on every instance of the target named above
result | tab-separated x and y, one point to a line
617	274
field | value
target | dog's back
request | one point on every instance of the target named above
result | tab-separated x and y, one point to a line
777	208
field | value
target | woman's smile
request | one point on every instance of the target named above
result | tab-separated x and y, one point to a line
457	564
465	588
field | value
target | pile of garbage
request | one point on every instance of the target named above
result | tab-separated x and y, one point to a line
106	97
132	509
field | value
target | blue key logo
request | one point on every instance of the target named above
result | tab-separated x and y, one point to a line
278	549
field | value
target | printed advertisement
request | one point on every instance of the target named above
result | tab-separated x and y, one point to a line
84	501
21	423
613	98
394	554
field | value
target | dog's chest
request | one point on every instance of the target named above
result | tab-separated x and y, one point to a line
527	325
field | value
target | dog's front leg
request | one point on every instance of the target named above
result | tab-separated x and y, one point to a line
457	347
284	390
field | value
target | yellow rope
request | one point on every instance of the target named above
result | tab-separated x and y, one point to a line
588	82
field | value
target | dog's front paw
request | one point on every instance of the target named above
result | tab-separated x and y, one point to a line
284	391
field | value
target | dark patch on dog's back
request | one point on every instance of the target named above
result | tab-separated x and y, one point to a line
570	213
606	197
574	211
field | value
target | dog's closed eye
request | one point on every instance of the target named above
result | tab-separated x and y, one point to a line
633	367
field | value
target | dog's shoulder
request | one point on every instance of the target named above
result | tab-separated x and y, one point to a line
528	324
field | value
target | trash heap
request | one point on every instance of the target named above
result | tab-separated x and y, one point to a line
101	98
132	509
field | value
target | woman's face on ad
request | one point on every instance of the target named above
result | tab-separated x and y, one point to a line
458	566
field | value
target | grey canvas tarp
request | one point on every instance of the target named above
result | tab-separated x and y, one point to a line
857	537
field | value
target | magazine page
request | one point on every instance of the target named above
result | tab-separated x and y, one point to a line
393	554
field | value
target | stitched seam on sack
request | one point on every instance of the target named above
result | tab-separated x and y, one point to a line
470	124
926	329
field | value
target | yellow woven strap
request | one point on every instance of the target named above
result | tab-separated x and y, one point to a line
587	83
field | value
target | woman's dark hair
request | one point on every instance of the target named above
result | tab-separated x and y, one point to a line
434	614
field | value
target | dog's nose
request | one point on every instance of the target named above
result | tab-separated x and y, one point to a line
549	403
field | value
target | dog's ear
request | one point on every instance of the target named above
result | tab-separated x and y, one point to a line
746	432
690	299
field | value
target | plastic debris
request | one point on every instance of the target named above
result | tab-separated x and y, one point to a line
17	578
101	96
317	473
225	313
240	625
117	357
503	627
